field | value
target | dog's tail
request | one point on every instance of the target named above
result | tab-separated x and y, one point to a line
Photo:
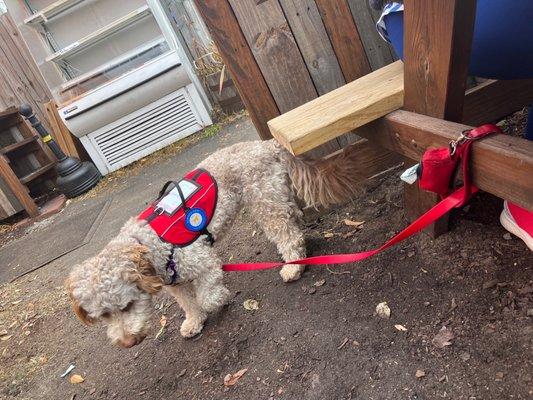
324	182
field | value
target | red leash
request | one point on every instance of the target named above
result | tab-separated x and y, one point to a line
461	147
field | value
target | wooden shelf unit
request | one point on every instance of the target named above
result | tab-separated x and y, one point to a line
24	164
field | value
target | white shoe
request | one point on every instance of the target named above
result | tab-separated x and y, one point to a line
518	221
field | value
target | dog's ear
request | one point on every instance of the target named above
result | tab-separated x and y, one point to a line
80	312
144	273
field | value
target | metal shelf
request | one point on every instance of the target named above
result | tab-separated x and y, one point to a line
50	11
99	35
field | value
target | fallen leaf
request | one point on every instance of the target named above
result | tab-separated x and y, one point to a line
319	283
6	337
250	304
419	373
182	373
499	376
443	338
357	224
383	310
76	379
329	235
231	379
401	328
464	356
3	332
507	236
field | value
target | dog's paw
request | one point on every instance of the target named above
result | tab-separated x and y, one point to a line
291	272
191	327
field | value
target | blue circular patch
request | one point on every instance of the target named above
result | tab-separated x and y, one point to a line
195	220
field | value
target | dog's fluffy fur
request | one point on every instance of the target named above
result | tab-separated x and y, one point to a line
117	285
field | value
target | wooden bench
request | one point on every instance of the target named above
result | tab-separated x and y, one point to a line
501	164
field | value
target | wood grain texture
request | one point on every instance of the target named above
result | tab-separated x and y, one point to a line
270	38
18	189
20	79
378	51
493	100
500	164
345	38
239	60
313	41
70	144
437	43
341	110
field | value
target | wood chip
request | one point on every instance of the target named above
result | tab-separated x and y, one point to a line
346	340
231	379
401	328
357	224
419	373
75	379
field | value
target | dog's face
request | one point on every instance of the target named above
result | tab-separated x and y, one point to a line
116	288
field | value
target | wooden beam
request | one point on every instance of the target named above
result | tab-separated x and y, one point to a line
345	38
500	164
493	100
437	42
240	62
341	110
18	189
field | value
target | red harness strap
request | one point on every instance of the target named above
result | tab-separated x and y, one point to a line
461	149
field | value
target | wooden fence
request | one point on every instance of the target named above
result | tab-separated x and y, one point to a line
20	79
284	53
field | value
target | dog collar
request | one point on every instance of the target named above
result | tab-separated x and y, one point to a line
171	267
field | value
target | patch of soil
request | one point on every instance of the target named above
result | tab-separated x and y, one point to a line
318	338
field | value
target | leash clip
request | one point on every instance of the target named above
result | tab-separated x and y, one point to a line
463	137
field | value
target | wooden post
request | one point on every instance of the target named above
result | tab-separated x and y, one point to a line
238	58
18	189
437	43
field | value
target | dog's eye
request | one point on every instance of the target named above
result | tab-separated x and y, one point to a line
128	307
106	315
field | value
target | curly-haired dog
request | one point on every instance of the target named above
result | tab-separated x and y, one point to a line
117	285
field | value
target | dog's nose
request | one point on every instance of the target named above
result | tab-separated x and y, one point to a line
130	341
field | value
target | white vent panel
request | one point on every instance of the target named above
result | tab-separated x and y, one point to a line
144	131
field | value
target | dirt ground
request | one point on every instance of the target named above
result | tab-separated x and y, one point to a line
317	338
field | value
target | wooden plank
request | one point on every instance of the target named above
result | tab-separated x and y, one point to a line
70	144
500	164
438	38
341	110
38	173
494	100
239	60
20	79
18	145
345	38
270	38
378	51
312	39
18	189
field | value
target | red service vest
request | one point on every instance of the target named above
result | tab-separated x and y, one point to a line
183	209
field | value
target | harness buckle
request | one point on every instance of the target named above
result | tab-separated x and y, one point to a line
159	210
